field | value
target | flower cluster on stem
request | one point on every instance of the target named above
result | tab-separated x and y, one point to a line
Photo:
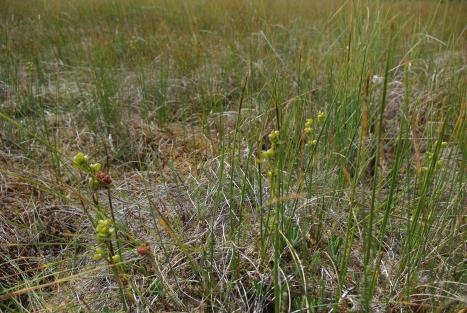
309	131
97	178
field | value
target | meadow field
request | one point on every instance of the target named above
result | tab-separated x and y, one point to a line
233	156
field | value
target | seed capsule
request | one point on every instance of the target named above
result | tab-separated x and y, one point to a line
104	178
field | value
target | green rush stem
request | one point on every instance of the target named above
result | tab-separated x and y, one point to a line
369	237
115	272
387	211
413	231
277	289
117	240
232	162
260	212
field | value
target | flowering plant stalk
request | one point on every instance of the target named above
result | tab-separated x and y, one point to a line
106	231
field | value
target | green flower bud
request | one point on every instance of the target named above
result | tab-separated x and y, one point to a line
312	142
116	258
105	222
95	167
307	130
274	136
321	116
101	237
101	228
80	159
308	123
97	256
268	153
93	183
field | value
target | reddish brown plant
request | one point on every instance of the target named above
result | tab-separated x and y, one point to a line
144	249
104	178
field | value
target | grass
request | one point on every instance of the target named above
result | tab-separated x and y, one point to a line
265	156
